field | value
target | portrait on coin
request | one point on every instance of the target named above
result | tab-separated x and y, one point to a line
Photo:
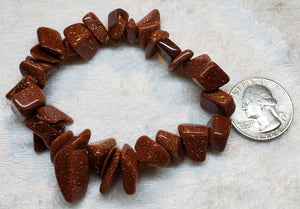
259	104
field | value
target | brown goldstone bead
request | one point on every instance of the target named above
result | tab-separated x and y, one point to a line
211	77
69	51
59	142
151	153
195	139
181	59
93	23
218	102
43	55
145	30
43	130
98	151
52	115
219	128
46	66
111	171
172	143
131	31
154	15
129	167
107	160
153	40
39	145
117	21
72	167
82	40
27	81
36	70
168	49
51	41
195	64
27	101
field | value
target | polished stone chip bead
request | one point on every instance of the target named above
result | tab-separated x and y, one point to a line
59	142
69	51
153	40
52	115
72	167
27	81
181	58
98	151
131	31
39	145
172	143
107	160
145	30
117	21
218	102
219	128
211	77
45	65
82	40
151	153
46	132
96	27
39	53
154	15
111	171
168	49
195	139
34	69
129	166
27	101
196	64
51	41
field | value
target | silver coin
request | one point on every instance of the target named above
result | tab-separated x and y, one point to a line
264	110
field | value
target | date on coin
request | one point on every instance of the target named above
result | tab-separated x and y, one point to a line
264	110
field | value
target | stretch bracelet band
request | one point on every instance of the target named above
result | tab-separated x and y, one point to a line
73	156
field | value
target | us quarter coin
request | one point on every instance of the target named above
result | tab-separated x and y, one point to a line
264	110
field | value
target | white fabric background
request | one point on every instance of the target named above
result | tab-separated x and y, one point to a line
120	94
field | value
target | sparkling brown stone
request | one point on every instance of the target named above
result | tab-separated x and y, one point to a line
131	31
43	55
98	151
154	15
218	102
96	27
111	171
72	168
117	21
145	30
151	153
194	138
34	69
52	115
172	143
51	41
219	128
45	65
181	59
39	145
153	40
82	40
107	160
168	49
59	142
69	51
27	81
27	101
195	64
129	167
44	131
211	77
